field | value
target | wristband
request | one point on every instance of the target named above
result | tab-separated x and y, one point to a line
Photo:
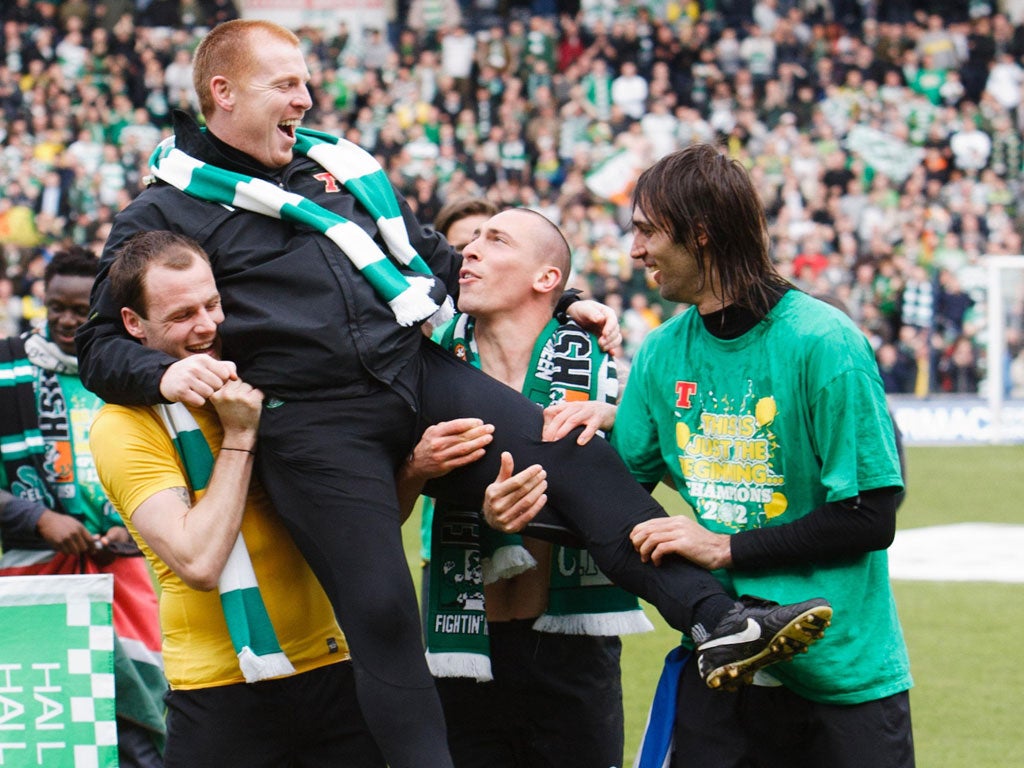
571	296
242	450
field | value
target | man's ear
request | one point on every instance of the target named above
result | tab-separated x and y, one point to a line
223	92
547	279
133	323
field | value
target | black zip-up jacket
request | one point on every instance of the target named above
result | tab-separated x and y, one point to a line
301	322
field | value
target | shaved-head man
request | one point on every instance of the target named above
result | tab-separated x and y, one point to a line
547	687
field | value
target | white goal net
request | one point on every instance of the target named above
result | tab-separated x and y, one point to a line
995	415
1005	325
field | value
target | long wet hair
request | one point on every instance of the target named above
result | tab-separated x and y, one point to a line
708	204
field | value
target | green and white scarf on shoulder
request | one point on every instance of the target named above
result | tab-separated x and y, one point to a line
566	364
259	653
356	169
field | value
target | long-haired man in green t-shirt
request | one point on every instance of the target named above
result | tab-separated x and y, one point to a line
764	407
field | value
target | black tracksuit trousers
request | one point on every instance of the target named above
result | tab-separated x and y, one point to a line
329	467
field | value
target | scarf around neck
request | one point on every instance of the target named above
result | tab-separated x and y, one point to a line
409	297
44	452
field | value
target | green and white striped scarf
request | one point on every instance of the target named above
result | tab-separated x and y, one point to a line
354	168
259	654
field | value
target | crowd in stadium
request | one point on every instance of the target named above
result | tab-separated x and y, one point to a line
884	137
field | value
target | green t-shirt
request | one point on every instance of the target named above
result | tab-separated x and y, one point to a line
758	431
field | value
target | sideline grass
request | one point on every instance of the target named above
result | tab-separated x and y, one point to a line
963	637
968	484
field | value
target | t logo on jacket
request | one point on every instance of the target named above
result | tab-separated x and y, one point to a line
330	183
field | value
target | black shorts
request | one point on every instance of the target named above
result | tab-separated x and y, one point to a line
772	727
309	720
555	702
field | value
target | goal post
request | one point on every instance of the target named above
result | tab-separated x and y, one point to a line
999	268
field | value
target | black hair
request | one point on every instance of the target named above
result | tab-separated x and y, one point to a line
74	261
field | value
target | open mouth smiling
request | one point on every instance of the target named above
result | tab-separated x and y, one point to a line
288	127
200	349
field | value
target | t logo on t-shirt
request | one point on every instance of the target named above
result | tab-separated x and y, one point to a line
684	391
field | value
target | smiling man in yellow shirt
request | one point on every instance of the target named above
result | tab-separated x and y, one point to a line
189	530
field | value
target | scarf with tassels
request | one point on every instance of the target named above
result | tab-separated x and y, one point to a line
356	169
566	364
259	654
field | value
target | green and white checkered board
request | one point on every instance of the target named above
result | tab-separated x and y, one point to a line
57	672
